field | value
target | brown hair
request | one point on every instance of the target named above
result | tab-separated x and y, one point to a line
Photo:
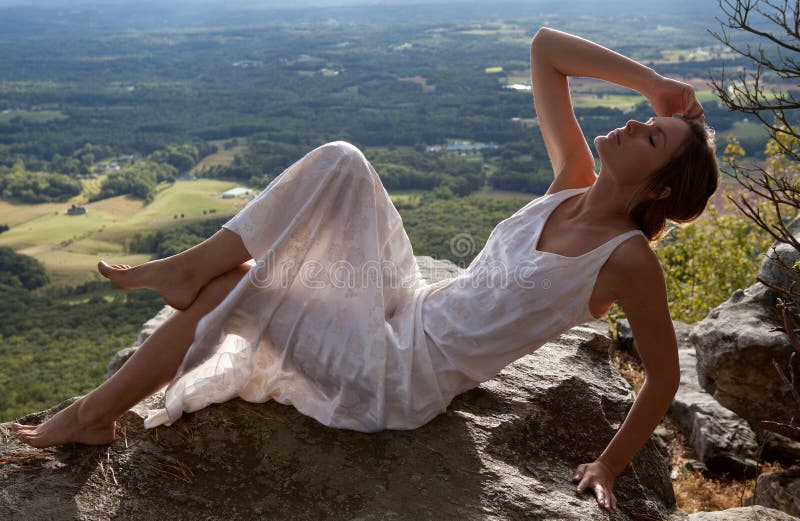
691	174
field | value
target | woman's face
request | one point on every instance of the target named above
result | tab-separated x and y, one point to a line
635	151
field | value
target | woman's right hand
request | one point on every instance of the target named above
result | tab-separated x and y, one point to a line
668	97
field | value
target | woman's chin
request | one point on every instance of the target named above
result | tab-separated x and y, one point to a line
602	144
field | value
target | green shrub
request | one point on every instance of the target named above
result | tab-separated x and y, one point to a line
19	270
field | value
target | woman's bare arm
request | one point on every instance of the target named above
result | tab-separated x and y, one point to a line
555	55
640	289
643	296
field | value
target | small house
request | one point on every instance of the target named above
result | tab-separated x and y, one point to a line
76	210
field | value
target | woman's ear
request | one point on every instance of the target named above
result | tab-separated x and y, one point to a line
664	193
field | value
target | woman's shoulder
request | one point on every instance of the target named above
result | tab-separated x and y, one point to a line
634	264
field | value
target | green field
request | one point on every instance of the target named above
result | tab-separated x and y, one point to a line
503	195
34	116
70	245
92	186
403	196
615	101
221	157
749	130
14	214
705	95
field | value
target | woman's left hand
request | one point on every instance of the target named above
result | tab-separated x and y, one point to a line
599	478
668	97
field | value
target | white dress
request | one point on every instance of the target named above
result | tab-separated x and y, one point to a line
336	320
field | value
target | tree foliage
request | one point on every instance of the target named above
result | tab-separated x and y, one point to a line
22	271
38	187
139	180
57	344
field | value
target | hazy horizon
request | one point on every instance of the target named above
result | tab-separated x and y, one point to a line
48	17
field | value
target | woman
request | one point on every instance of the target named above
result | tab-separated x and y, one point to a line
391	352
662	169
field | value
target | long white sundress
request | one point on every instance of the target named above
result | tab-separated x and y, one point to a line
335	319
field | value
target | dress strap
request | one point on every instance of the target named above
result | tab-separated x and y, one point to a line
566	192
615	241
604	251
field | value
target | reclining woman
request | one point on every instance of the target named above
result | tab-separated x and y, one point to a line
391	352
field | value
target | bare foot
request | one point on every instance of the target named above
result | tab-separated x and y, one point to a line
177	287
66	426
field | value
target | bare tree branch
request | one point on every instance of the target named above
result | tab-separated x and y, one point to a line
738	20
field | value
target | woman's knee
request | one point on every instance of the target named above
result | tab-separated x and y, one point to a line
341	149
347	155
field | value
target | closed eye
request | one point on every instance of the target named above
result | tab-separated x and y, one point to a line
651	141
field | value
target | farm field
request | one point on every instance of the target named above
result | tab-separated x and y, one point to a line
744	130
222	157
32	116
69	246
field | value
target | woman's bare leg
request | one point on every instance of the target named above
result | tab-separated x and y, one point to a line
91	419
179	278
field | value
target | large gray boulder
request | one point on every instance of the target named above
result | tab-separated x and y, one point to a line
776	447
779	490
737	345
720	438
776	268
503	450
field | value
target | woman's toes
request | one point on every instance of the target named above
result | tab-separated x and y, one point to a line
121	275
103	267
